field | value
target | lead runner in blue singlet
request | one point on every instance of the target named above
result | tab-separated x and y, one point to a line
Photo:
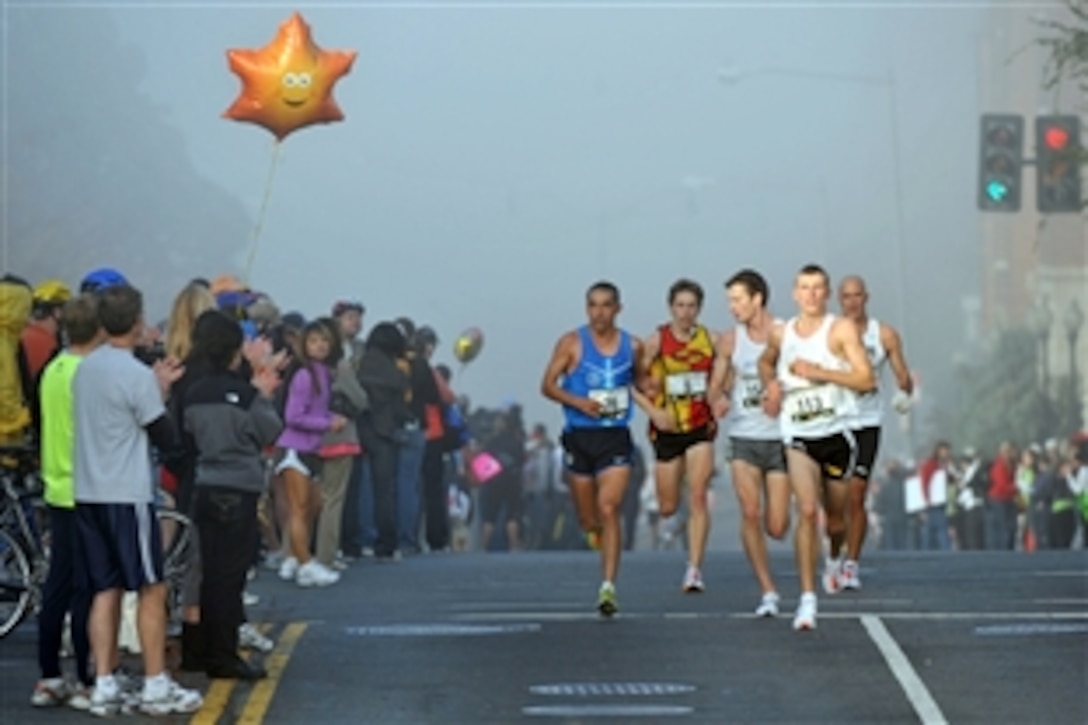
593	373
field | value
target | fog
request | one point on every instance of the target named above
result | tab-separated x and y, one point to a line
494	162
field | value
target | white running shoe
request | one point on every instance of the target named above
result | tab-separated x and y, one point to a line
832	576
768	606
289	569
315	574
169	698
805	617
850	579
250	638
693	580
50	692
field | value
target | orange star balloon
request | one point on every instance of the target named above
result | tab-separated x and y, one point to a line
288	84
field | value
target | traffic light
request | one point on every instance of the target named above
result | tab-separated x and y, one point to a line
1057	173
1001	162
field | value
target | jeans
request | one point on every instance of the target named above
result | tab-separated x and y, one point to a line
435	496
1000	525
367	527
936	530
378	493
409	493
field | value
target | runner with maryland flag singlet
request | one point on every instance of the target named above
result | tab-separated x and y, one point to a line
687	381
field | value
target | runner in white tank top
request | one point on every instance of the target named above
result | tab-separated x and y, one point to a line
812	370
758	460
884	348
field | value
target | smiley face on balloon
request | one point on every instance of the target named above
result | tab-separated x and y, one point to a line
287	85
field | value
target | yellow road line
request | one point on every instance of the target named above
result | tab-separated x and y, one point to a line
218	695
276	663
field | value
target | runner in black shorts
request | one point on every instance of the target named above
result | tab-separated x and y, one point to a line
883	348
812	370
688	380
592	374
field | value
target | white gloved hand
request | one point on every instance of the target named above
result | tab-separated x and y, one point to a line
901	402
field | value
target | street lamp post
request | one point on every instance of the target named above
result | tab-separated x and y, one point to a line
1074	321
1041	320
733	75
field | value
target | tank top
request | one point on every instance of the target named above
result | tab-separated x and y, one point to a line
746	417
604	378
683	370
812	410
871	404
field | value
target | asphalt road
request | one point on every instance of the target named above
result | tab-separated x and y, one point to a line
501	638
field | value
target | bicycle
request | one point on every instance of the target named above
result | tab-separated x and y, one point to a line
24	544
179	554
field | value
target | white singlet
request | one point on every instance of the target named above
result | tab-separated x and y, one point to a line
746	418
812	410
871	404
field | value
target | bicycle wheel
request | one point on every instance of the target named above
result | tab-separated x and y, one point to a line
16	590
179	555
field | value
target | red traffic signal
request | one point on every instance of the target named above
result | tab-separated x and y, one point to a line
1058	164
1056	138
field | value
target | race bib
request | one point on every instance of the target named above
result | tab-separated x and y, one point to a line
686	385
751	391
614	402
806	405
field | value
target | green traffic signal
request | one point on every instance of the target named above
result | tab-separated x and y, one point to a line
1000	162
997	190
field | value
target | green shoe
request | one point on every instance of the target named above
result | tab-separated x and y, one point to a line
606	601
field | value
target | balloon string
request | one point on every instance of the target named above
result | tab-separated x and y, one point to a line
260	214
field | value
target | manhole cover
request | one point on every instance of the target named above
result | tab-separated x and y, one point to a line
606	710
590	689
440	630
1013	630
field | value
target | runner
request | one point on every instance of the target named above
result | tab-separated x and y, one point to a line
687	382
811	371
883	346
591	374
758	460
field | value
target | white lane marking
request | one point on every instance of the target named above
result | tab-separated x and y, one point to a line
1030	629
576	711
913	687
904	616
439	630
1062	602
590	689
1076	573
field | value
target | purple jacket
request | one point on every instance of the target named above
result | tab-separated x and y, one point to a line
306	414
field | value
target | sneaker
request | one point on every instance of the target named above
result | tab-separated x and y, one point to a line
606	600
274	560
849	579
693	580
106	700
805	617
593	540
289	569
80	699
368	552
251	573
50	692
250	638
250	599
832	576
314	574
163	696
768	605
340	562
